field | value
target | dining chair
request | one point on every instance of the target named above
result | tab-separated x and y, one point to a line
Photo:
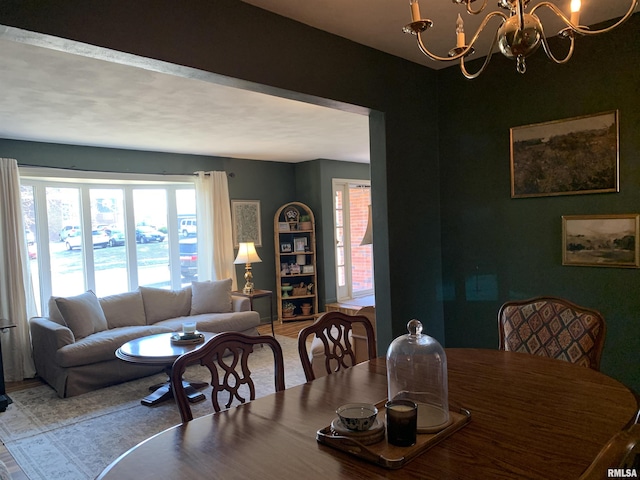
553	327
621	452
226	356
332	346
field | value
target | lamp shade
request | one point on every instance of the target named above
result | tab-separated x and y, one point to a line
247	253
368	234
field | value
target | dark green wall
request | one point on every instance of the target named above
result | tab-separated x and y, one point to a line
514	245
254	49
314	188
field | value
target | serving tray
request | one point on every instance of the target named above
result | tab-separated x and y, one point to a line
383	453
187	338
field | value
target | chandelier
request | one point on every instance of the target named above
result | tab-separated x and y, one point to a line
518	36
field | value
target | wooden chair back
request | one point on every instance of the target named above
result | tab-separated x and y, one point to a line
553	327
622	452
334	330
228	352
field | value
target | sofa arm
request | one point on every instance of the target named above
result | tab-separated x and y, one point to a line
240	304
48	337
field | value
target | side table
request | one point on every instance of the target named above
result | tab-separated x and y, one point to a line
4	398
259	294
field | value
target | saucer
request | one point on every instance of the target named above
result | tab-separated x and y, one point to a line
366	437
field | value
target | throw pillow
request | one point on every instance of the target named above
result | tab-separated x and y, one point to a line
82	314
160	304
124	309
211	297
54	313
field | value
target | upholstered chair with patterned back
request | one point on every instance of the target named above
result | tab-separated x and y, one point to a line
333	338
553	327
226	356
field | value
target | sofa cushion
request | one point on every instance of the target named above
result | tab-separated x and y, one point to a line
211	297
82	314
216	322
160	304
124	309
102	346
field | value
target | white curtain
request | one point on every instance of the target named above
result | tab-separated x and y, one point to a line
215	234
17	302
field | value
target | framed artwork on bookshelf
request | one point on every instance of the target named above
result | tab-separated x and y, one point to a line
285	248
300	244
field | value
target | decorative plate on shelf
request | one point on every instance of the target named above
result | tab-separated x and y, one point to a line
291	214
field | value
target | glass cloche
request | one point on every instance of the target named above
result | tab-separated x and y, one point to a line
417	370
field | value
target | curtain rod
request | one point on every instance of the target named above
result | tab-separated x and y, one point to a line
230	174
77	169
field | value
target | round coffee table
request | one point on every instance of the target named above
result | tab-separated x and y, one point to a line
159	350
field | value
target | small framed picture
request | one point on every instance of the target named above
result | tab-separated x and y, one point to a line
300	243
283	227
601	240
307	269
285	248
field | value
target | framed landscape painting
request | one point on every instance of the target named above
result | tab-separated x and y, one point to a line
566	157
245	215
601	240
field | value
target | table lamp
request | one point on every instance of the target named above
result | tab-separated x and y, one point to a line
247	254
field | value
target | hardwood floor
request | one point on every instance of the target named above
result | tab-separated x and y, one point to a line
287	329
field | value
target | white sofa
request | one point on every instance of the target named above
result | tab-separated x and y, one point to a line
74	347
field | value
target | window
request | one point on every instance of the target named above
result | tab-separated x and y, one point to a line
107	233
354	263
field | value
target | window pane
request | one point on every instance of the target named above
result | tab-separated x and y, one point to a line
67	266
338	200
187	229
61	266
150	211
341	277
30	232
107	215
361	256
340	237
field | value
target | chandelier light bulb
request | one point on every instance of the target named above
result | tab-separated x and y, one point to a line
460	40
575	12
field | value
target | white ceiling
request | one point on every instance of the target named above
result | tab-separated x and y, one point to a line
50	95
57	97
378	23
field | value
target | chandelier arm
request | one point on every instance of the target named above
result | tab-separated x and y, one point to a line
585	30
475	12
472	76
547	49
468	47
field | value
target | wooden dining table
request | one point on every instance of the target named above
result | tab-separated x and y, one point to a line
531	418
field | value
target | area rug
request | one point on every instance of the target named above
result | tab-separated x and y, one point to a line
76	438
